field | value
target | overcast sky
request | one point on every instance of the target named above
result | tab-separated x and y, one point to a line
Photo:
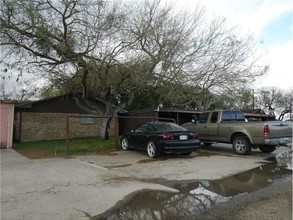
270	22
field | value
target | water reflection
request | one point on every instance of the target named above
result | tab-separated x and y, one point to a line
285	159
248	181
161	205
194	196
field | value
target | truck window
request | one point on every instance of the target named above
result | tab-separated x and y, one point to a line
226	116
240	116
214	117
232	116
203	118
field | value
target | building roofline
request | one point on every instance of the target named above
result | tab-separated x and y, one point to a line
7	101
29	104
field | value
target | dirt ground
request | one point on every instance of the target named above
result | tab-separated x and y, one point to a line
271	203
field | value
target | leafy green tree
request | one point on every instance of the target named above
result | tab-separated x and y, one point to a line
106	54
79	46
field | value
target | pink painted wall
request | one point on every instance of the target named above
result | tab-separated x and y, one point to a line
6	123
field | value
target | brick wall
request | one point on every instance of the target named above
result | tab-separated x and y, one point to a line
46	126
16	127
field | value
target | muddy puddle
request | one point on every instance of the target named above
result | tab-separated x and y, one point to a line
194	195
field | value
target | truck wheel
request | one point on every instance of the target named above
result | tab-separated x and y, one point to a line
241	145
267	149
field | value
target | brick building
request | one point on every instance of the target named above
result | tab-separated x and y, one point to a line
46	119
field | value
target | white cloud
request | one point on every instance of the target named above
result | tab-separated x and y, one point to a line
254	16
280	59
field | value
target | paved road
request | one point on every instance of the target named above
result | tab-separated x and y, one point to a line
85	186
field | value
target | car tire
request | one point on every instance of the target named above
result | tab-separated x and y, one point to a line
267	149
241	145
152	150
124	144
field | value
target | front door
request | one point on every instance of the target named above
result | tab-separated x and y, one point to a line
201	126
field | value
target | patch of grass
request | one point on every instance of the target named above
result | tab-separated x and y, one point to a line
57	148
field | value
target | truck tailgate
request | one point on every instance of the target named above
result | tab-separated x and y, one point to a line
280	129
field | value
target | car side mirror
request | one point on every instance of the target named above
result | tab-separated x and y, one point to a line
193	121
132	131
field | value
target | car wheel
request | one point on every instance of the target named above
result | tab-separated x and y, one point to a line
241	145
124	144
267	149
152	150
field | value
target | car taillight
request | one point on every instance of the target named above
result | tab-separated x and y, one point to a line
266	130
195	135
168	136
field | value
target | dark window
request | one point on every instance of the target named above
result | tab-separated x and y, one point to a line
143	128
168	127
232	116
203	118
240	116
214	117
89	120
226	116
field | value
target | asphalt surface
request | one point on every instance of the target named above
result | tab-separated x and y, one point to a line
85	186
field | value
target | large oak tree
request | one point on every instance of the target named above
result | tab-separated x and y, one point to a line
104	53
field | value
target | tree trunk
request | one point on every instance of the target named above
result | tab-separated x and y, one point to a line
104	126
108	110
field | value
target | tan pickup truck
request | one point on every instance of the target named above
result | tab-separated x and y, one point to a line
230	126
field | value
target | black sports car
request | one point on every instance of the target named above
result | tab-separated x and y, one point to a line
156	137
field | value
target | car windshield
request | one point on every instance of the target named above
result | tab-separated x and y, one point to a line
168	127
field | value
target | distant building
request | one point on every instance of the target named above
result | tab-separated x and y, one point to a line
46	119
258	115
134	118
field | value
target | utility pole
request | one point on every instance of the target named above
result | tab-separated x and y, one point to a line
252	98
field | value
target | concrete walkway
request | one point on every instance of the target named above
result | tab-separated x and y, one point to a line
86	186
58	188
